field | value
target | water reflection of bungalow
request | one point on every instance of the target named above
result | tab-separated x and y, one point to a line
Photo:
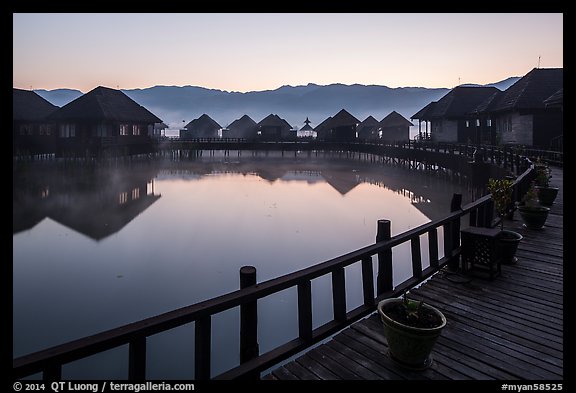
341	127
243	127
273	127
202	127
31	132
103	119
94	204
368	129
394	128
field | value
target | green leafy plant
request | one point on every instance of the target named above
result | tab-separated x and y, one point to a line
501	190
530	199
411	307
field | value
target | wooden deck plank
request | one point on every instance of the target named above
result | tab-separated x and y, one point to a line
510	328
301	372
316	368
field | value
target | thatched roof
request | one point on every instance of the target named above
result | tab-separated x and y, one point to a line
461	101
160	126
395	119
103	103
242	127
29	106
369	121
273	120
322	125
425	112
202	125
530	91
342	119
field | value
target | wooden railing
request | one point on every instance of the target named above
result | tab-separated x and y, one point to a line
480	213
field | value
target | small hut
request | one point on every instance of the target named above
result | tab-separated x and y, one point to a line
243	127
158	130
395	128
306	131
321	129
31	132
368	129
202	127
451	117
273	127
103	119
341	127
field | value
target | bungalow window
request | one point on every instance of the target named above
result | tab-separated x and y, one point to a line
123	129
67	130
100	130
467	123
135	129
477	122
42	129
123	198
489	123
135	193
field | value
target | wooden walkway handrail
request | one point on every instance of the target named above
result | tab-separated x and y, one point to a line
50	361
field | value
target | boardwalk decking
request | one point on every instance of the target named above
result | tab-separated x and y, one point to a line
510	328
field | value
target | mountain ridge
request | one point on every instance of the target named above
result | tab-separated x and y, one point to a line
178	105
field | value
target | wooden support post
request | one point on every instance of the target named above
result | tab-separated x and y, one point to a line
248	318
368	281
137	360
452	231
384	280
202	350
416	257
433	247
339	294
52	373
305	310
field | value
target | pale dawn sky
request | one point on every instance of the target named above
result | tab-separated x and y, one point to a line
249	52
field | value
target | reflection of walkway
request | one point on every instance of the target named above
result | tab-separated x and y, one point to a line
507	329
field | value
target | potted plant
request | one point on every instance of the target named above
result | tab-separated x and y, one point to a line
507	240
533	214
546	193
411	328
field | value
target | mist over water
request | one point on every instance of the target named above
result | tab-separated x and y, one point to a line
98	247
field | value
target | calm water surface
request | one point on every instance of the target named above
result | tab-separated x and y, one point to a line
98	247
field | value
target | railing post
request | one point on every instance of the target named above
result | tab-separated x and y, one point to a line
137	360
248	318
452	233
368	281
305	310
202	350
384	279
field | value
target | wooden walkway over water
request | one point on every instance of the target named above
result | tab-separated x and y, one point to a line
510	328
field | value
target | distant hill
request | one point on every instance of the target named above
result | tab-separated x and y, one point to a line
178	105
59	97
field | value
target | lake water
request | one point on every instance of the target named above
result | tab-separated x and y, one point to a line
99	246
